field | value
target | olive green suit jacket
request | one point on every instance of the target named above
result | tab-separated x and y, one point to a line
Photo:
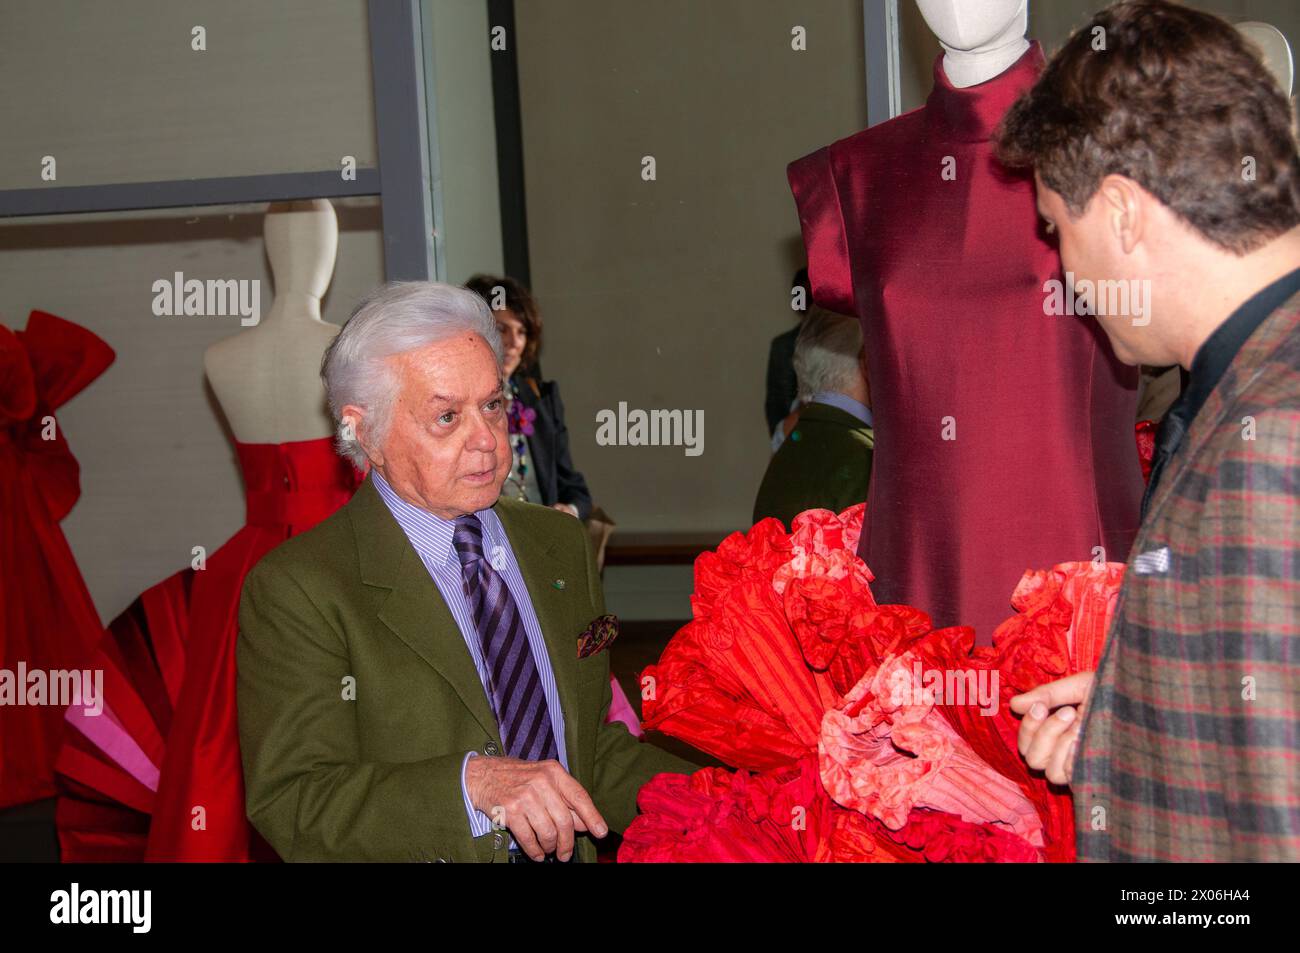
824	463
358	699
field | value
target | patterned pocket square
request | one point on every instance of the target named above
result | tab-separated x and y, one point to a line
598	636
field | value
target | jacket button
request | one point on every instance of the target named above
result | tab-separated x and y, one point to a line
498	841
491	748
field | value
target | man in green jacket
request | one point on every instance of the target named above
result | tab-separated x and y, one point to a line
825	461
423	676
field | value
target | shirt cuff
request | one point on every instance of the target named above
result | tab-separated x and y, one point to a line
479	823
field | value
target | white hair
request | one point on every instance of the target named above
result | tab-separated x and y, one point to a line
826	353
394	318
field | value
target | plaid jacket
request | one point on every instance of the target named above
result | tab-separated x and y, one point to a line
1190	748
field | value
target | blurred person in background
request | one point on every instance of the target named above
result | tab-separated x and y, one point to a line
826	460
782	386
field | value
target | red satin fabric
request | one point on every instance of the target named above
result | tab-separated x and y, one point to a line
104	808
47	618
290	488
948	279
169	663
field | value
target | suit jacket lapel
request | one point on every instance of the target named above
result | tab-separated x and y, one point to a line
414	609
541	566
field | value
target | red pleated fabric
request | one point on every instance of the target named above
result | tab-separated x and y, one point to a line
47	619
790	672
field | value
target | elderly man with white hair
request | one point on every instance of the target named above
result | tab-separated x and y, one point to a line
825	463
423	675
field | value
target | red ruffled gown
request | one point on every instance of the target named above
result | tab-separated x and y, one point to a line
171	743
47	618
1004	435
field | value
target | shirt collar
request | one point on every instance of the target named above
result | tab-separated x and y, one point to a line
1208	367
430	535
845	403
1213	357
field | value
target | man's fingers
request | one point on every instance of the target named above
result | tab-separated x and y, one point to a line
539	819
1071	690
562	818
522	832
1045	739
1059	763
1029	726
581	804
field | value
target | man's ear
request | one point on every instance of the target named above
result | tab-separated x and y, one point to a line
1123	202
353	419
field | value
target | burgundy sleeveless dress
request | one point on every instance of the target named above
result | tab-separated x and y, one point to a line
1004	435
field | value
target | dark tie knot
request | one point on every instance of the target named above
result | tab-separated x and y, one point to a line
467	538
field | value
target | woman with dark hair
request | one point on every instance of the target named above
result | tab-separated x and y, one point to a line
543	471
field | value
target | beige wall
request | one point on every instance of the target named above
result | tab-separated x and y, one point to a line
665	294
466	133
282	87
116	94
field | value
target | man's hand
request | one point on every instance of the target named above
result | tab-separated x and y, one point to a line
538	801
565	508
1048	743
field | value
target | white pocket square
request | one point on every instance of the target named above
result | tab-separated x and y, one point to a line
1149	564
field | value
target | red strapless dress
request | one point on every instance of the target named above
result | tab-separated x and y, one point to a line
47	618
167	744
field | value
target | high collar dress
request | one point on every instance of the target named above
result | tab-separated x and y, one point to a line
1004	434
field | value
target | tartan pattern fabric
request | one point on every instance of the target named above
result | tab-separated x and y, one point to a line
1189	748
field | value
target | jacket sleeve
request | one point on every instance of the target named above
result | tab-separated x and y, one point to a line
1249	554
570	485
623	763
307	790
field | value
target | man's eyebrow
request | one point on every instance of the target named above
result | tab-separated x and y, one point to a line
448	399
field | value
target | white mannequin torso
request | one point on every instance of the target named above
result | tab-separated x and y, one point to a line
267	379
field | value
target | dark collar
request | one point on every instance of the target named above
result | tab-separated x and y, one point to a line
1214	356
1210	364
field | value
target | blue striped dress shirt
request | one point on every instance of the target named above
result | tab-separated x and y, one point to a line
431	537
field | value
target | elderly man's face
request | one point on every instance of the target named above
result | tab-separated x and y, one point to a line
447	448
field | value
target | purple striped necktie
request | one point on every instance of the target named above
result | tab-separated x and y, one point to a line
513	682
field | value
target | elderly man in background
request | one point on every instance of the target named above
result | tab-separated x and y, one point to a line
422	676
826	459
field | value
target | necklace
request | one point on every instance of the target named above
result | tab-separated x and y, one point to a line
520	419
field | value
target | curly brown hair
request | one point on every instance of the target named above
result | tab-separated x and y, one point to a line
518	299
1176	100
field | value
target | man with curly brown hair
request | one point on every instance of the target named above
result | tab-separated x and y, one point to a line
1165	159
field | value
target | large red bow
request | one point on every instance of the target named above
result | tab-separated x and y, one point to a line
41	369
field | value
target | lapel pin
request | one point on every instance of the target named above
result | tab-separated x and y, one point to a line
559	584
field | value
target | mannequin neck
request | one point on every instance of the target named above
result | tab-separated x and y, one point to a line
971	67
293	307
